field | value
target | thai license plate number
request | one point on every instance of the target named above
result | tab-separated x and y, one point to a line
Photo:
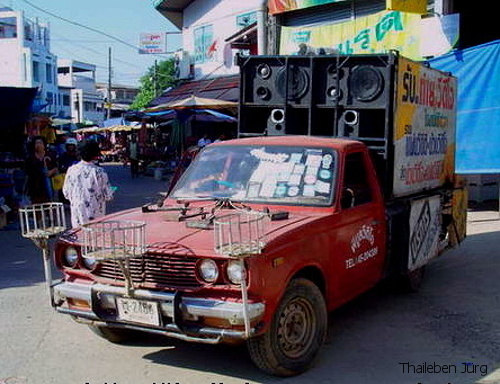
138	311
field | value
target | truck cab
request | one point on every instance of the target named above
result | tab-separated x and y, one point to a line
325	235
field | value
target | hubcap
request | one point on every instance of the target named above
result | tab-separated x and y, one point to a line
296	328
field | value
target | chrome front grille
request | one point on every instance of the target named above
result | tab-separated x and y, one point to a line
165	265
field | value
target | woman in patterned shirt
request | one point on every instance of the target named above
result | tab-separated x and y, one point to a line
86	186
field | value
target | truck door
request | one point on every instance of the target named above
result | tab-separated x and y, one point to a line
360	247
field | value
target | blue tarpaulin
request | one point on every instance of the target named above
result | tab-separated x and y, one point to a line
199	114
477	70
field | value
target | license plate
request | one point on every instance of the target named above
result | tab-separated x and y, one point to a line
138	311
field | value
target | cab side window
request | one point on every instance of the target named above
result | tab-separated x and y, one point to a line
356	190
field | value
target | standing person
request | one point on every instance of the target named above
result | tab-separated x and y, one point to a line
204	141
86	186
40	167
60	144
133	156
69	157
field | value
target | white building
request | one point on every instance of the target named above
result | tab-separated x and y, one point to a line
78	93
25	57
213	31
122	96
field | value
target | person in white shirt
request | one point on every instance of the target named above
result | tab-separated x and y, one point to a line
87	187
204	141
222	137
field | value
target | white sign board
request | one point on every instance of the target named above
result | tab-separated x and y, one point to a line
150	43
425	228
424	132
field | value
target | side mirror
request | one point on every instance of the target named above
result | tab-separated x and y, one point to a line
347	199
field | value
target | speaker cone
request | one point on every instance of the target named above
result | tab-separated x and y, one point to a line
264	71
263	93
298	82
334	93
366	83
334	71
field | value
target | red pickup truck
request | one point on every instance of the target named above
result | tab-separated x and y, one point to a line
262	236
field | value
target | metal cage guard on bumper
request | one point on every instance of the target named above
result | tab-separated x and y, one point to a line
171	305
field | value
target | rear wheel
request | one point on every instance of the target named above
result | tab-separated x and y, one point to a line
412	280
296	334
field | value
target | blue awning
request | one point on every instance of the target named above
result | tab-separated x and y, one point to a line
38	105
478	115
198	114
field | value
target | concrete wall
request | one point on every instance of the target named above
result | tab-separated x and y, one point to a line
221	14
31	44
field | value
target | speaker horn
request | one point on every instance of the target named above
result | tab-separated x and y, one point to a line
276	122
349	123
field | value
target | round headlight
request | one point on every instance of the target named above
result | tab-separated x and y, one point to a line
89	262
235	271
208	270
70	257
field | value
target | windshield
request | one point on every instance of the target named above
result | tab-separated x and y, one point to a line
261	174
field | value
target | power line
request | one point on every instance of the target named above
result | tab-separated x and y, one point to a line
82	41
75	42
82	25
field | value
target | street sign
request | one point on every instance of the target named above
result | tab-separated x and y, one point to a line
151	43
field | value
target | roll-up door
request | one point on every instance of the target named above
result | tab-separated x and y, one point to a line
332	13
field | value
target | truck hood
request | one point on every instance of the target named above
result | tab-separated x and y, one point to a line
162	232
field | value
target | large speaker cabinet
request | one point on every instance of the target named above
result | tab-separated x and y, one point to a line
330	95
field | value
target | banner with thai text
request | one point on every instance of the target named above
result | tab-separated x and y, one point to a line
425	126
280	6
377	33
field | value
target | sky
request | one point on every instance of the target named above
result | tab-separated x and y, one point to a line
123	19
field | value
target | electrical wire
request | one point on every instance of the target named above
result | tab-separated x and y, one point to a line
75	42
95	30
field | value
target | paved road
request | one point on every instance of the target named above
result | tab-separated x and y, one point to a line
451	321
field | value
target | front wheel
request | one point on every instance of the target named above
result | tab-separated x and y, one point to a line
114	335
296	334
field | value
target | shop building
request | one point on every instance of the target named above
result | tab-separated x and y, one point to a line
212	33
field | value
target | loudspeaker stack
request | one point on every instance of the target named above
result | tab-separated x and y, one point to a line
331	95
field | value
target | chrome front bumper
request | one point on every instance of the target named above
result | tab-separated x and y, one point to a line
174	307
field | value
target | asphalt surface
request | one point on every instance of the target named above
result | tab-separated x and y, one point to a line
381	337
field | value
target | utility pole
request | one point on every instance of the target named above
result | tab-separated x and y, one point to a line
77	107
155	79
108	114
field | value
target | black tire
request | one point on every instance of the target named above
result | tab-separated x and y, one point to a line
297	332
114	335
412	281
